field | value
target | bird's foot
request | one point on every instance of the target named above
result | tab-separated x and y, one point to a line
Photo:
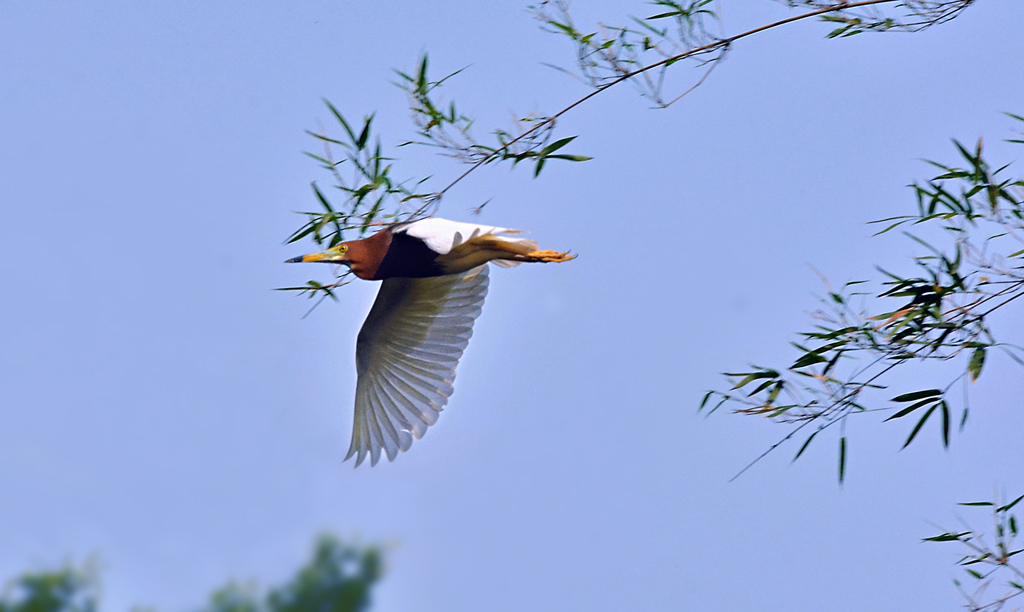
550	256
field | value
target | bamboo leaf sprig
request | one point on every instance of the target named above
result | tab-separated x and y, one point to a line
988	558
442	126
644	48
640	53
940	313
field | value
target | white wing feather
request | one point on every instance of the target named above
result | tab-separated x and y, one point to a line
406	356
441	235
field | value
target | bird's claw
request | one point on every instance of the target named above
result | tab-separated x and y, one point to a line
550	256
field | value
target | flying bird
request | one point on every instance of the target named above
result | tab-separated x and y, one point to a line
435	277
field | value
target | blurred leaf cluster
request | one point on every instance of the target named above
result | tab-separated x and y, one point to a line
367	195
607	54
338	578
644	48
941	313
370	196
860	17
68	589
445	128
989	558
640	53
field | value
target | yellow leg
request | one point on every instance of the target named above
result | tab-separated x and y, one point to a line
482	249
549	256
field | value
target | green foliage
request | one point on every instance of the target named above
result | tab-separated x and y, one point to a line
451	132
371	196
338	578
69	589
643	51
988	558
605	54
862	17
640	53
236	597
942	313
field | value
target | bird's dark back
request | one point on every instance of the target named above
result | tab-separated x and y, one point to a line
408	257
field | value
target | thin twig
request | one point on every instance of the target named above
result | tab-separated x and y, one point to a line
725	42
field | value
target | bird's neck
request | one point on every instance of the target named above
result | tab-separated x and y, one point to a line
367	254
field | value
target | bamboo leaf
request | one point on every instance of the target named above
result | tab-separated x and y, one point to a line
912	408
323	200
945	423
558	144
365	134
808	358
916	395
575	158
804	446
704	401
341	119
947	537
918	427
752	376
1009	505
976	363
842	459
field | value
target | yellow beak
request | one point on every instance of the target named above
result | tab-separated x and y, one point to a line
329	256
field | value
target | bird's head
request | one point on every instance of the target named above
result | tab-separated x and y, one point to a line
362	256
353	254
335	255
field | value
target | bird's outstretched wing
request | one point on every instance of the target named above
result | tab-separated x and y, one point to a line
406	357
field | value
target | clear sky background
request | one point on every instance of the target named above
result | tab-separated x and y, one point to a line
163	409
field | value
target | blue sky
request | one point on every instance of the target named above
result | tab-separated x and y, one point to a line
168	412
